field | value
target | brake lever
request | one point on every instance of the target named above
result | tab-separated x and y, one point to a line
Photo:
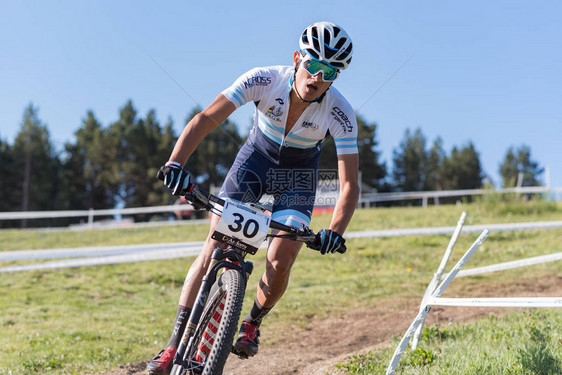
197	205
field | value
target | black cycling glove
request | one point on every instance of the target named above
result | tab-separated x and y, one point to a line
174	177
328	241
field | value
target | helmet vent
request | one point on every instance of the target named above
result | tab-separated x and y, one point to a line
315	41
313	54
304	37
339	44
336	31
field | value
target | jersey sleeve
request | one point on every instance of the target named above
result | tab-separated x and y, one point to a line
343	128
248	87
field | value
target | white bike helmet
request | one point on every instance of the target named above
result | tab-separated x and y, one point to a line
328	43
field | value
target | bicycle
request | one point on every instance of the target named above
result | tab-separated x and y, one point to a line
213	322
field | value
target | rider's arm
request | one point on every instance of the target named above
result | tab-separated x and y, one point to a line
348	166
248	87
199	126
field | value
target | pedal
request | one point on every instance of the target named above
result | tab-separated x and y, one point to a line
239	354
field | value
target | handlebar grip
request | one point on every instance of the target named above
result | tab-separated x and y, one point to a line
311	245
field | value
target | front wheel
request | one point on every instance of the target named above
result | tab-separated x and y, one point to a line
217	327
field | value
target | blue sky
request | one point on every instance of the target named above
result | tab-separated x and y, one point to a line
481	71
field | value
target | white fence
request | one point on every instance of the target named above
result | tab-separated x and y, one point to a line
434	291
425	196
91	213
98	255
364	201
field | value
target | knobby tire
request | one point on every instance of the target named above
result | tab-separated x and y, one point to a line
233	284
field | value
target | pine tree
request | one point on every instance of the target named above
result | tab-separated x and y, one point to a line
7	179
119	150
373	172
85	167
519	161
463	169
436	160
410	162
36	165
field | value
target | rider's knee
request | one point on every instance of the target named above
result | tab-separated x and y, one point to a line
204	258
209	246
279	266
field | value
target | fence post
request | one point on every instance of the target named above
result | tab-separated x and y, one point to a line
437	276
91	218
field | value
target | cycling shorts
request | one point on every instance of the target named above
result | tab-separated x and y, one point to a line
292	189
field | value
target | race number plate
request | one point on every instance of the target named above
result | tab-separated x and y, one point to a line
242	227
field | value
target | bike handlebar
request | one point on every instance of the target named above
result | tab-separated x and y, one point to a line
201	198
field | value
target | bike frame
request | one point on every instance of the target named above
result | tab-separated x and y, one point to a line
230	258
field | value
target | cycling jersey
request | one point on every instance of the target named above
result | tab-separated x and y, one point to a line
269	89
261	165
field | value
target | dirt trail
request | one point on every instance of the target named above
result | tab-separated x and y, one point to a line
315	349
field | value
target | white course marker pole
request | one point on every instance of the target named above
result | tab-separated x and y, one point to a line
423	313
510	265
523	302
437	277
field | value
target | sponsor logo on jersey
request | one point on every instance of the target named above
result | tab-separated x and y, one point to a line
274	113
342	119
257	80
310	125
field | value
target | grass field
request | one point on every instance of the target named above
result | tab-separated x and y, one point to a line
91	319
520	343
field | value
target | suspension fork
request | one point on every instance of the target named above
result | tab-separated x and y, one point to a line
219	259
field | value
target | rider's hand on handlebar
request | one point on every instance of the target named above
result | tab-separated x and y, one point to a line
328	241
174	177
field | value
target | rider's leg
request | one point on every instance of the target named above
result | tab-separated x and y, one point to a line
191	285
281	255
199	267
280	258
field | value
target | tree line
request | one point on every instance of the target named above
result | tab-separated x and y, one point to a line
116	165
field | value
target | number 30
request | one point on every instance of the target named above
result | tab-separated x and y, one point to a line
246	227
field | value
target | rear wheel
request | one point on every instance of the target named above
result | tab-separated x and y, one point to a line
217	327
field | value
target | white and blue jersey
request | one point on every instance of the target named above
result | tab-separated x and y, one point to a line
285	166
269	89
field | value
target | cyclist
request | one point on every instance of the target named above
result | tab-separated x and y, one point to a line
296	108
